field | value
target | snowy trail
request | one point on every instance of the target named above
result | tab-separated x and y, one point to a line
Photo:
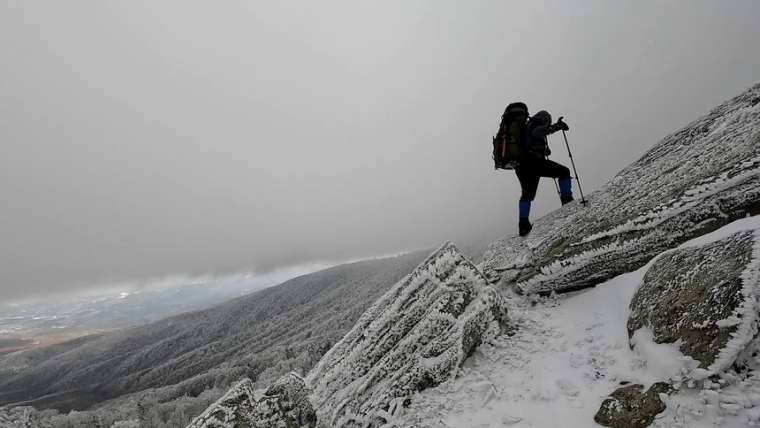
570	352
564	358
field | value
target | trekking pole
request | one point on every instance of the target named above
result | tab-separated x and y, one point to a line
575	171
556	185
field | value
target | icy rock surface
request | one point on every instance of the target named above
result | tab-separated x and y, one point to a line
285	404
629	407
692	182
414	337
703	298
232	410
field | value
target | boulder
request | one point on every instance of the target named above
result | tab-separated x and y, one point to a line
704	298
629	407
285	404
232	410
414	337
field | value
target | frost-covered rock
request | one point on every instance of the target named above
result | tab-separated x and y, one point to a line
285	404
415	336
704	298
232	410
629	407
692	182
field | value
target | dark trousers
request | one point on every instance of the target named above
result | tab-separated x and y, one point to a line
530	172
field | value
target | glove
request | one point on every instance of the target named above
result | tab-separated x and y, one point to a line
561	125
548	151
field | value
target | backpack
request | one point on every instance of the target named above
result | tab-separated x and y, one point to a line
508	141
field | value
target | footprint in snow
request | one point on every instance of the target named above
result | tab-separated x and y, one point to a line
567	387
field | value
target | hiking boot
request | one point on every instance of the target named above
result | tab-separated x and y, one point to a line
566	199
525	226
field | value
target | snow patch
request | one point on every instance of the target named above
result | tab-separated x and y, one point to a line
663	360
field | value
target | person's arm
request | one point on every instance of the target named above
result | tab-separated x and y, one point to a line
542	131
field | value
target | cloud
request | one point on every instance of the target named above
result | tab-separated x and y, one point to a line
143	141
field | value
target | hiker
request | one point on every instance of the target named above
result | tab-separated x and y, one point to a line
534	164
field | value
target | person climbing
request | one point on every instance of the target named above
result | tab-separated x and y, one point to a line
534	164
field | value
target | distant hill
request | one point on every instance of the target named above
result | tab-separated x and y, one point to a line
262	335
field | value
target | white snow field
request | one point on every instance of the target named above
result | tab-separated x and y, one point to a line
569	352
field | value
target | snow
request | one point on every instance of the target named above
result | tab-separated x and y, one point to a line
570	352
664	360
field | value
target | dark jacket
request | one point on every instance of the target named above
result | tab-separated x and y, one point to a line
539	127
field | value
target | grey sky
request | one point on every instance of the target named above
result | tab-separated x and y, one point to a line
144	138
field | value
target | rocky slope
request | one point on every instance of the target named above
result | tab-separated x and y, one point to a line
414	337
570	359
693	181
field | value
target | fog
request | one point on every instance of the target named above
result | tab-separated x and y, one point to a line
145	139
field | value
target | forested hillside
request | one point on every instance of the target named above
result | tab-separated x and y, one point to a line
261	336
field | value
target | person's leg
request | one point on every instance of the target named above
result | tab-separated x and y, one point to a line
552	169
529	185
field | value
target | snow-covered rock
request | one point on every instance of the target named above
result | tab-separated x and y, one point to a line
629	407
285	404
704	298
692	182
414	337
232	410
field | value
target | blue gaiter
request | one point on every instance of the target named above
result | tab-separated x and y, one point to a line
564	187
524	209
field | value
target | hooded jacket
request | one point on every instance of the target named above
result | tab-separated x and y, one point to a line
539	126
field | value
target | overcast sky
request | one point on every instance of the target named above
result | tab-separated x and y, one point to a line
149	138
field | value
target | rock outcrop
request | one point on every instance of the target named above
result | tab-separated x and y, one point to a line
285	404
629	407
414	337
705	298
232	410
692	182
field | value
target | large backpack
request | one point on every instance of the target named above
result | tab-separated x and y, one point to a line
507	144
